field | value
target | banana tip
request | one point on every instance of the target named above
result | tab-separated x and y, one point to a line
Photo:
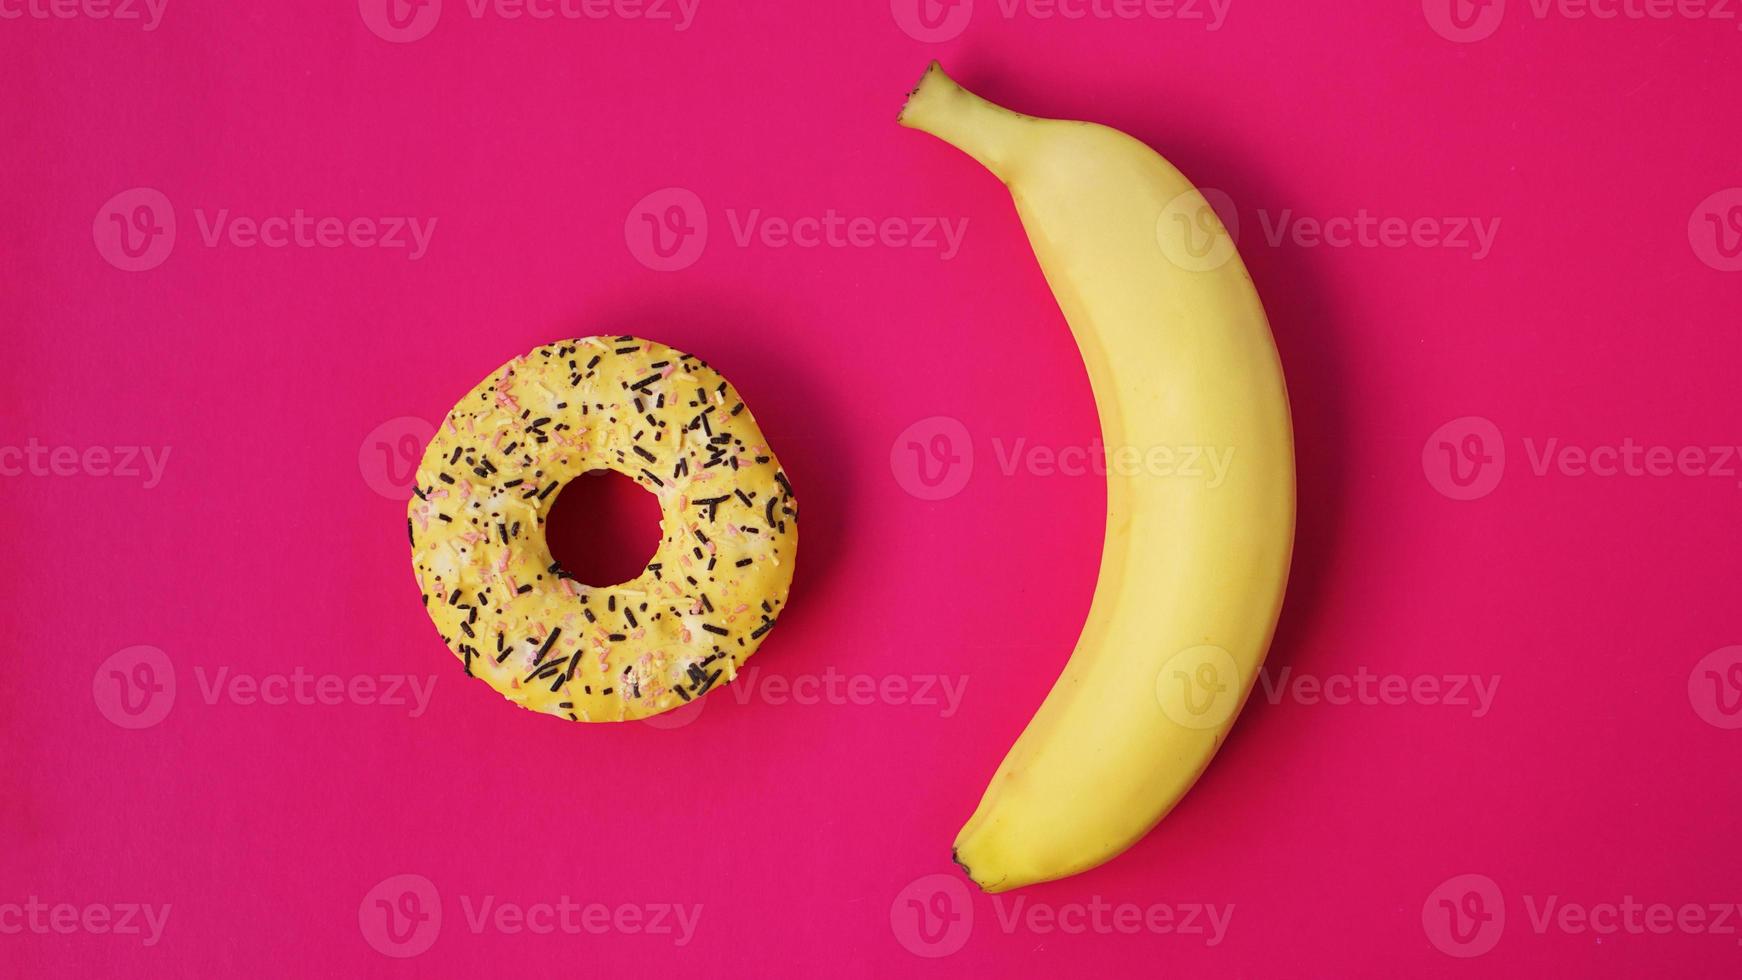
956	855
901	117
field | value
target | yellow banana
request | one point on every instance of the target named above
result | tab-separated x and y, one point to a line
1183	365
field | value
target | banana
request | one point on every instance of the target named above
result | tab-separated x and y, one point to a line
1181	360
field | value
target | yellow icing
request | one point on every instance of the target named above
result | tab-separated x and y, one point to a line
704	603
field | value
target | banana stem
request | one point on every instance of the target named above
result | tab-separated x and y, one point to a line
983	130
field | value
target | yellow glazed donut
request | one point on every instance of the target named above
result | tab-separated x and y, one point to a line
729	529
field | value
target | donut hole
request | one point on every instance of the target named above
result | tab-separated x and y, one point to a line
603	528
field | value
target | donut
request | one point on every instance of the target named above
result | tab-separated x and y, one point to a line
728	524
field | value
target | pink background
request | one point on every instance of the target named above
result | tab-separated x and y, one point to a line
1603	769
